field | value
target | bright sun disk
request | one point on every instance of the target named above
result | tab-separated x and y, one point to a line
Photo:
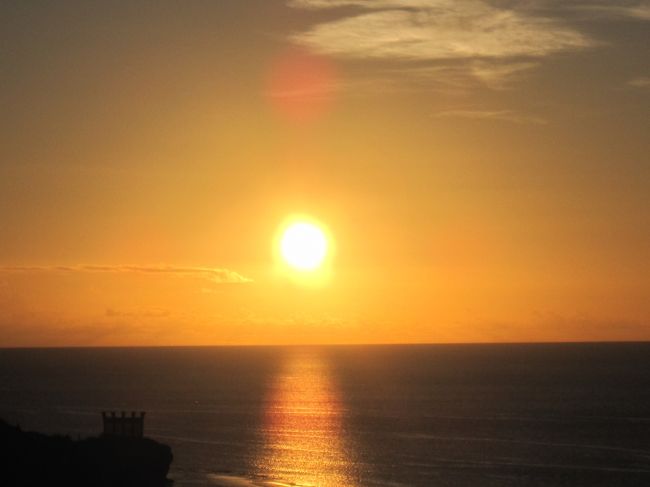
303	246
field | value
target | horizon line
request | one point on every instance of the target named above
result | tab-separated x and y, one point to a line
359	344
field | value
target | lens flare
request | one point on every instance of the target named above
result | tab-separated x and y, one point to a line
301	85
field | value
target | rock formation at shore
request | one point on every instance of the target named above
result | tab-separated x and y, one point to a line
34	459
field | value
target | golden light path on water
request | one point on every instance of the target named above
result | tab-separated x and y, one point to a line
305	442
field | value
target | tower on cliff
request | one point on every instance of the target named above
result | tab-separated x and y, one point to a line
126	426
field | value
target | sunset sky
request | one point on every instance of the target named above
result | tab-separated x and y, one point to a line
481	170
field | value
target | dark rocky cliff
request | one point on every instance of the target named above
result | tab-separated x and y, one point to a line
34	459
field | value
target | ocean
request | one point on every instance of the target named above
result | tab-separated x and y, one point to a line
412	415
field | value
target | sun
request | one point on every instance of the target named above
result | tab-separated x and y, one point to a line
304	246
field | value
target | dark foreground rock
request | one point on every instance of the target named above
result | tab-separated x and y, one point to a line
34	459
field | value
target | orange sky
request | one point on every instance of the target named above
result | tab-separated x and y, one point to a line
482	167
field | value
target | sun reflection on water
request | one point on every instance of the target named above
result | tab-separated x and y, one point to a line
305	443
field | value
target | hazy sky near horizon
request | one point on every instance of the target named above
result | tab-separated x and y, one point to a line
482	166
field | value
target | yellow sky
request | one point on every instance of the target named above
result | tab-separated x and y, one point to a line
481	166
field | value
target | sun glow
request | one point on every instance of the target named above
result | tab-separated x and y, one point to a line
304	246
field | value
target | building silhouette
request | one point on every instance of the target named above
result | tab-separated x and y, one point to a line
126	426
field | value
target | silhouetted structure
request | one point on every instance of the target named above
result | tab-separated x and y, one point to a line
35	460
123	425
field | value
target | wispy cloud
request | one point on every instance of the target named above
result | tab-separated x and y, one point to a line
436	30
147	313
496	75
622	9
642	82
216	275
369	4
448	45
499	75
493	115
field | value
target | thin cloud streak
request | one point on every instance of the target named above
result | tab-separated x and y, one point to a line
496	75
498	115
642	82
635	11
368	4
216	275
499	75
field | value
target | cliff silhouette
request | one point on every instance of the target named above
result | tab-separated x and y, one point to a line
34	459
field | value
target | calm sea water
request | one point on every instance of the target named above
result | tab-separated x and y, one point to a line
441	415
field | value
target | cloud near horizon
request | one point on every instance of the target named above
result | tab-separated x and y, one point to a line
215	275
